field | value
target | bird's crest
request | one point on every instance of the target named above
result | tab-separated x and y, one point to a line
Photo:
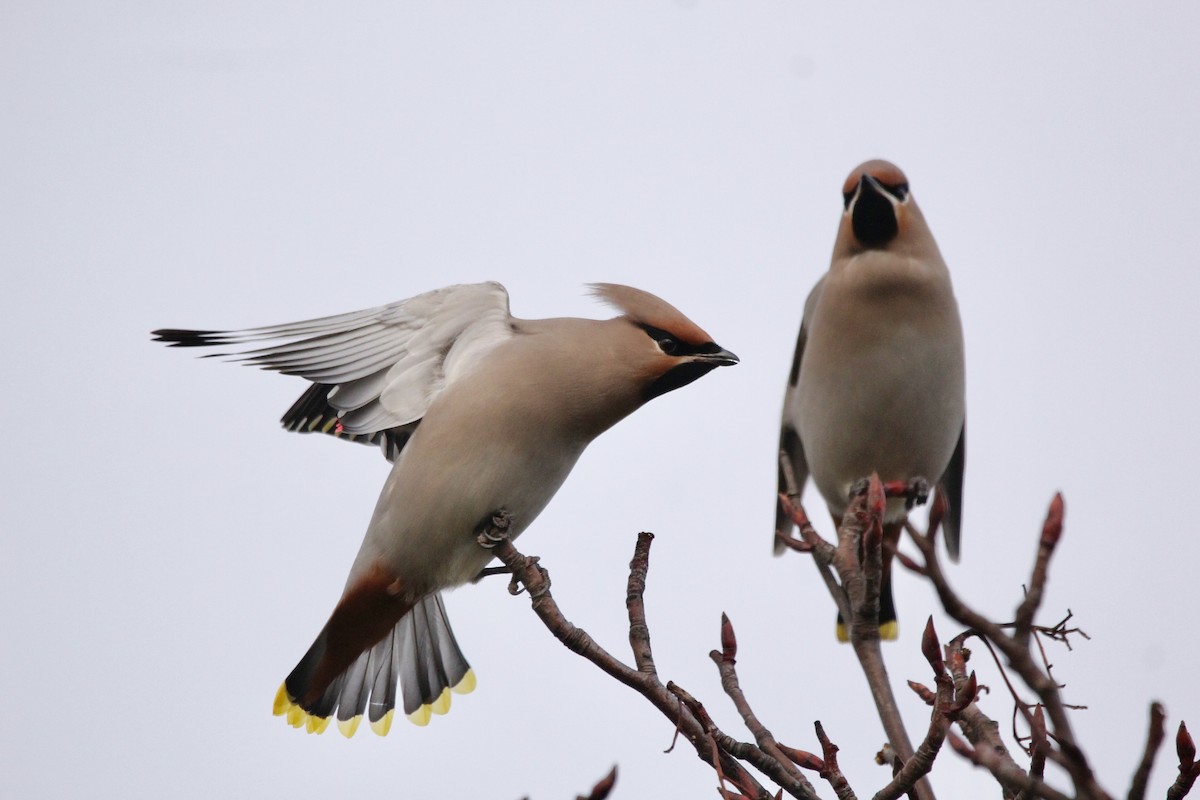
644	308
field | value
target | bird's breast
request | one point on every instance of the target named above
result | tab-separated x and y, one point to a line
880	390
459	468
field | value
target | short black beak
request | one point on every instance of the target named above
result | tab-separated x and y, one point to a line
874	217
721	358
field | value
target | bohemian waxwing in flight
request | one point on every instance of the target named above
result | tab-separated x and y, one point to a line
877	382
479	411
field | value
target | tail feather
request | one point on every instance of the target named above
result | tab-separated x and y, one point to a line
381	676
425	681
419	655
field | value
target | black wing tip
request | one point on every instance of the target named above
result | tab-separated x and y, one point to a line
181	337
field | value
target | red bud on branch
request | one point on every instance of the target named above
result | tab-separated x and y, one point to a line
932	649
922	691
1053	526
1185	748
728	641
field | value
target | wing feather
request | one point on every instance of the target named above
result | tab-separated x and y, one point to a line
381	367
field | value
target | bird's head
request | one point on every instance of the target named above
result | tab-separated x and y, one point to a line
881	214
669	350
877	198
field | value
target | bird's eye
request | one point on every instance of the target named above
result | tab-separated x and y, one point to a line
846	198
668	345
899	191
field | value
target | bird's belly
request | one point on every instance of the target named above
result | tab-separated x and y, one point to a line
870	416
425	523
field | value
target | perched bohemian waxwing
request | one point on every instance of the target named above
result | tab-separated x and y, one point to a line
479	411
877	382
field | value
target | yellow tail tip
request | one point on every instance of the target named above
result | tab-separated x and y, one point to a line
382	725
282	701
442	704
347	727
466	685
296	716
284	706
421	716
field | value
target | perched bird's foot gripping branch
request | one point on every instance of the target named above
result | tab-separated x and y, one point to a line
915	491
494	529
493	533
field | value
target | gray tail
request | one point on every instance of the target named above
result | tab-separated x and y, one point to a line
419	657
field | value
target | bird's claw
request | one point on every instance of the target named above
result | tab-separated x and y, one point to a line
915	491
515	586
495	530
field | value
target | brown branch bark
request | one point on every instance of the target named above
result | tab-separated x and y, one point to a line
1005	771
944	709
726	661
1016	646
1189	768
603	787
1154	740
856	593
711	745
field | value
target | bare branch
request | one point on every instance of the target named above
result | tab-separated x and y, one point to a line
1154	740
1006	772
832	771
863	519
639	631
945	708
726	661
1039	746
603	787
1189	768
537	584
1016	648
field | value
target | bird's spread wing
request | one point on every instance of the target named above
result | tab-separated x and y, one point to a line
376	371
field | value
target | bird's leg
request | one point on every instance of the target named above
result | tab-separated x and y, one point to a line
914	491
494	530
487	572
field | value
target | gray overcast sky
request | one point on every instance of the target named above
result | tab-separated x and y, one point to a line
169	553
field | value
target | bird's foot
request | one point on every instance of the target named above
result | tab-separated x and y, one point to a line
494	530
915	491
515	586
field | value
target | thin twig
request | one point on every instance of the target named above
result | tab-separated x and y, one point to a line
1039	746
945	708
639	631
1016	647
832	772
726	661
711	746
1154	740
603	787
1005	771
